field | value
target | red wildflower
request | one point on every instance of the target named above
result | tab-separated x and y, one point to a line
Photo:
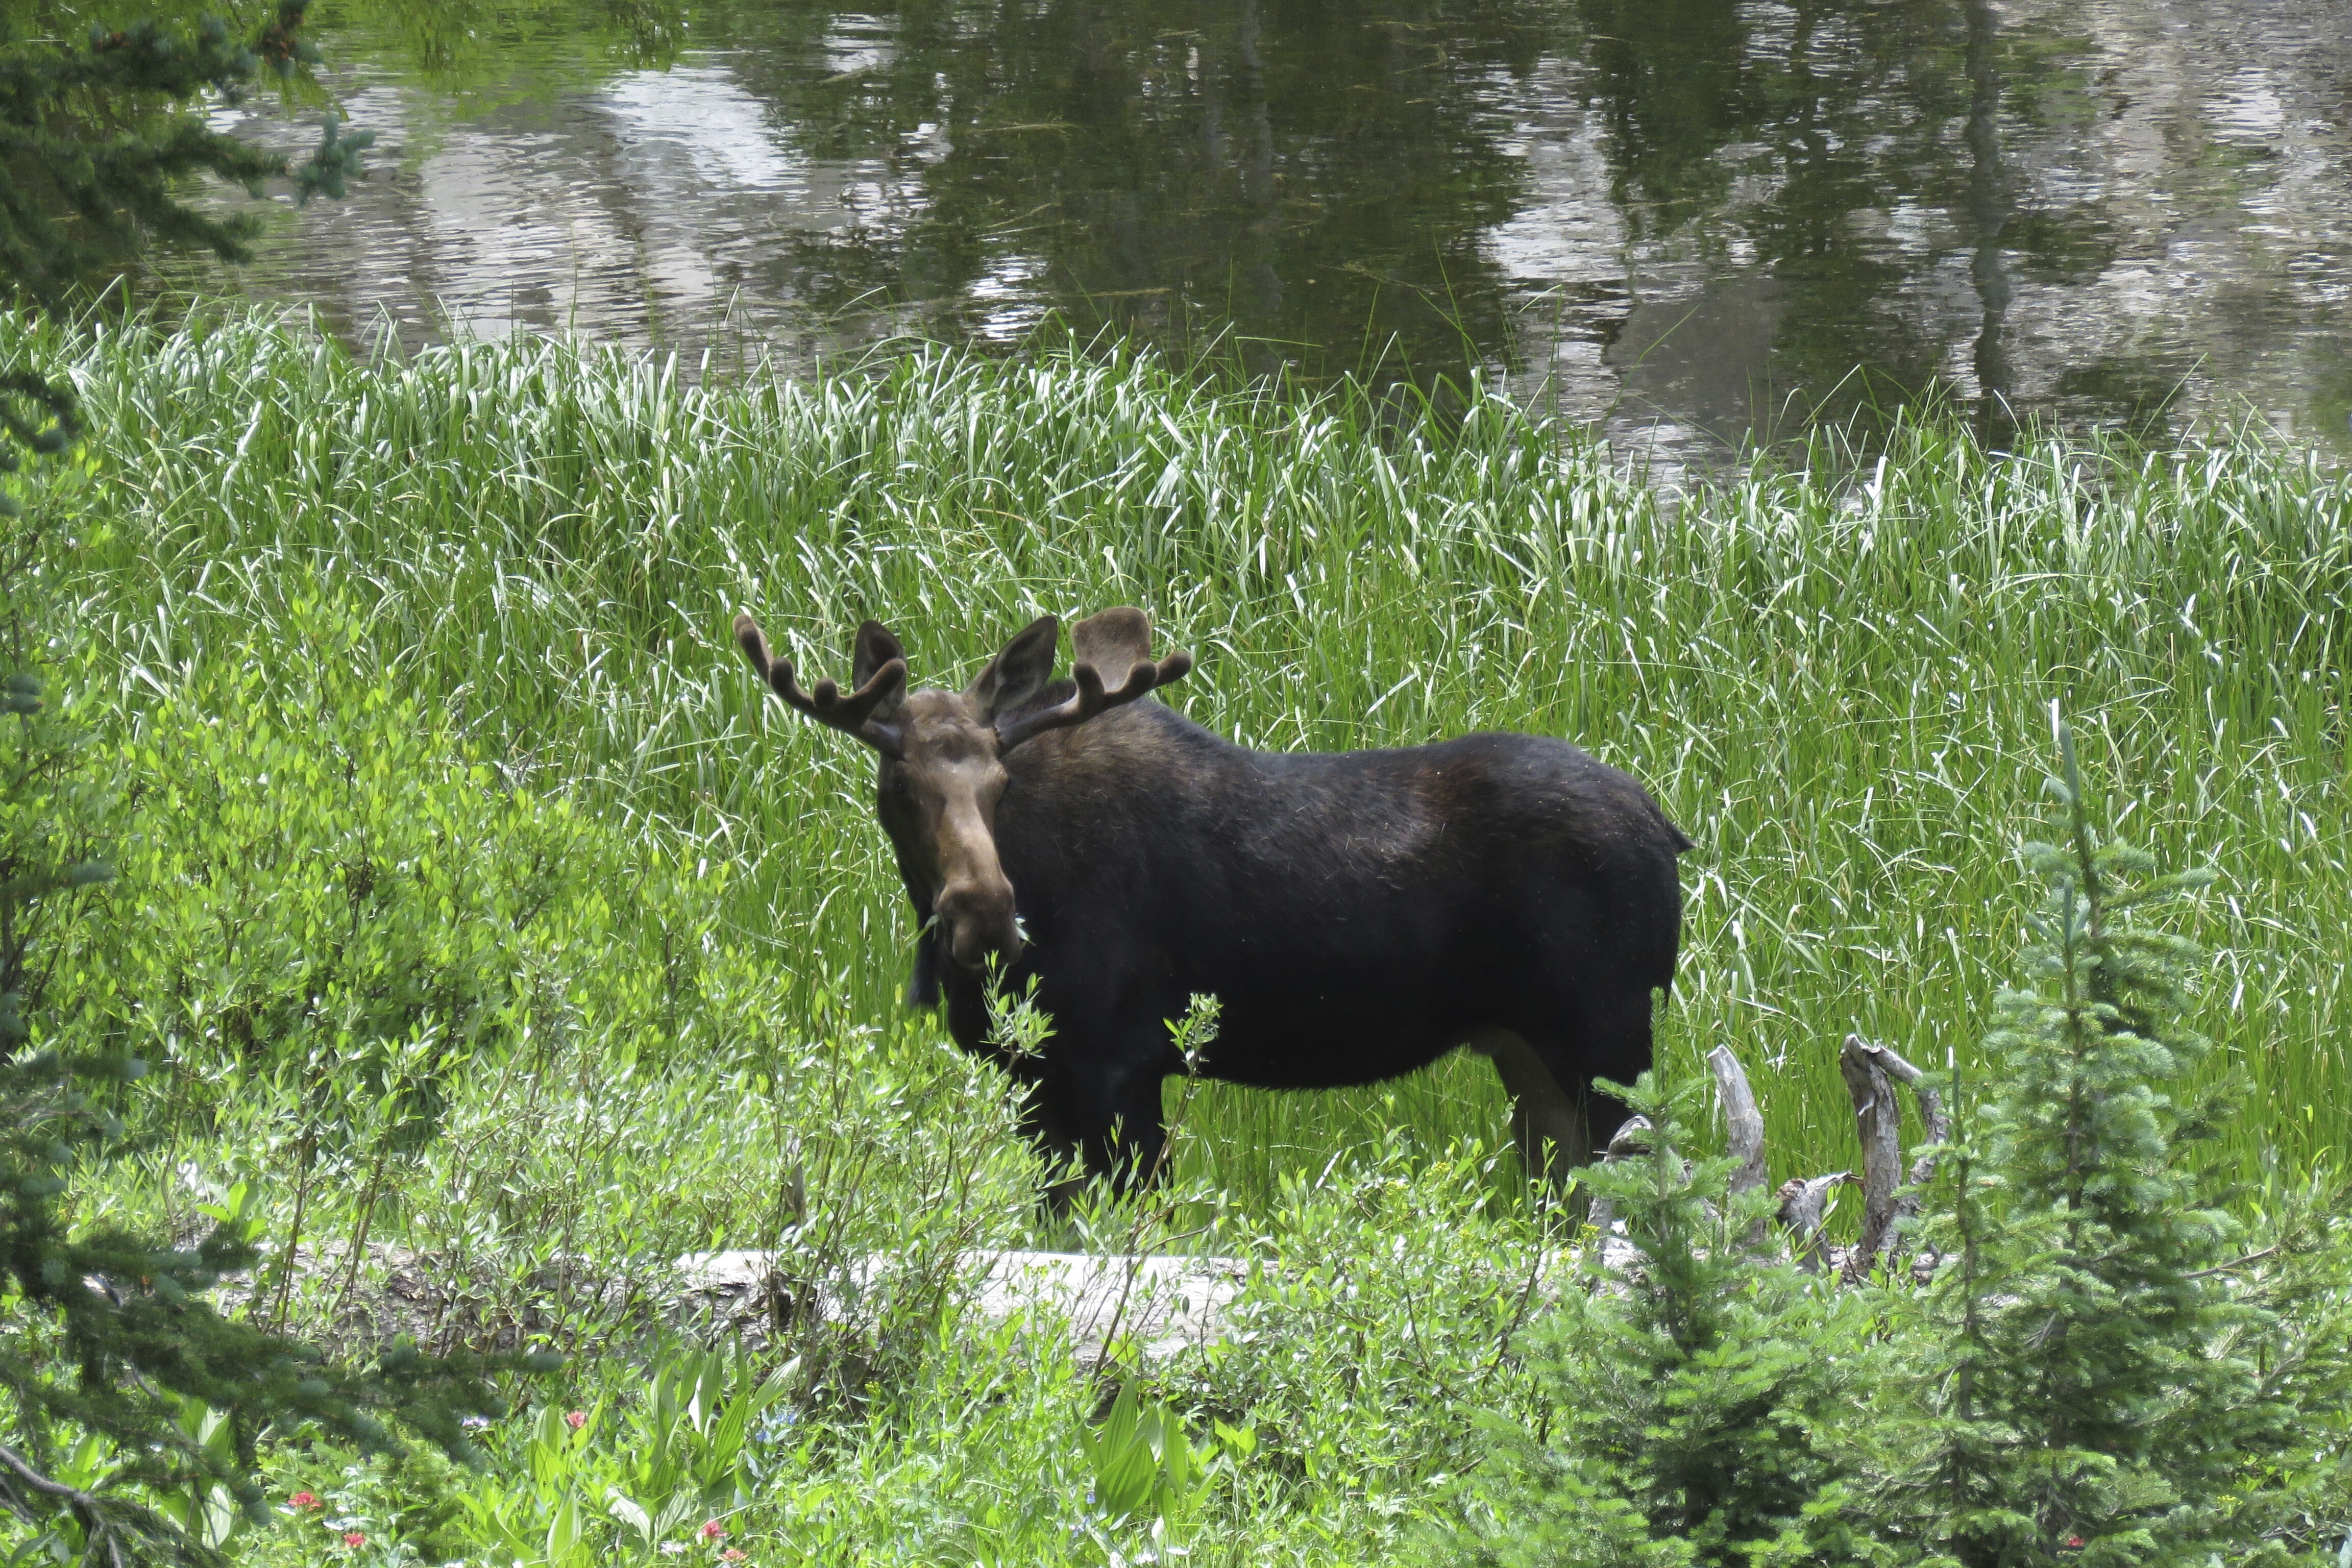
2074	1541
304	1499
354	1539
712	1530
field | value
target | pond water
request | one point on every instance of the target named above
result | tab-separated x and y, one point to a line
1692	221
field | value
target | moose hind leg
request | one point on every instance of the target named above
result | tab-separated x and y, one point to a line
1613	1040
1551	1125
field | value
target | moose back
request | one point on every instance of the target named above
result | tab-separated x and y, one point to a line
1357	914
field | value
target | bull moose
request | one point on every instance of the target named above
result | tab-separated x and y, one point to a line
1358	914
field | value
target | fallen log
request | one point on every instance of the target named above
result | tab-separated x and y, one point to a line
1158	1303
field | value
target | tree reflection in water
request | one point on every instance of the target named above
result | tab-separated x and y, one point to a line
1714	216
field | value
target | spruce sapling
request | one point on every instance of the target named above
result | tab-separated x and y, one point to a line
2092	1395
1690	1391
91	168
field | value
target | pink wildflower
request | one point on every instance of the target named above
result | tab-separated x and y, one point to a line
575	1419
712	1530
304	1499
354	1539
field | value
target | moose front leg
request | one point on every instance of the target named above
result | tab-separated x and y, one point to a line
1051	1121
1121	1129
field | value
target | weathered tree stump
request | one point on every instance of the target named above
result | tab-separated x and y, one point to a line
1804	1209
1888	1198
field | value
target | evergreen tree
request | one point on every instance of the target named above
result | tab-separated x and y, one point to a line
89	169
2096	1394
129	1406
1692	1393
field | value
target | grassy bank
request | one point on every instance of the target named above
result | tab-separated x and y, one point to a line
499	943
1837	683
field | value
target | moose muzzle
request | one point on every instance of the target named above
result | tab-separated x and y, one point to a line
976	920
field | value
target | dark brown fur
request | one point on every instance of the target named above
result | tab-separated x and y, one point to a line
1358	915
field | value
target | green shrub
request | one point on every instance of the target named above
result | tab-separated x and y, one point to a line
328	885
1693	1398
674	1469
1389	1302
131	1410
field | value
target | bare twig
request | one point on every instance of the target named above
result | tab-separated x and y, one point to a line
92	1514
309	1149
1518	1316
368	1200
2234	1265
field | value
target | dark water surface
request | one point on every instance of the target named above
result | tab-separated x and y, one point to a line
1692	220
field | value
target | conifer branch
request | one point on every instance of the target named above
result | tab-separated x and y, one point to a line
80	192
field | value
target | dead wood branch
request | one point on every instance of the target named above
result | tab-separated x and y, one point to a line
1745	1121
1870	1072
1804	1208
1744	1126
1629	1140
1889	1195
1880	1120
1935	1127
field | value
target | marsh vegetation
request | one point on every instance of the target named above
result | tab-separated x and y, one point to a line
485	926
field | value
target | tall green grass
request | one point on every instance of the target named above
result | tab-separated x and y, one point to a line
1837	681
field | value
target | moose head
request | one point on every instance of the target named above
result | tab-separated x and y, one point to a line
942	769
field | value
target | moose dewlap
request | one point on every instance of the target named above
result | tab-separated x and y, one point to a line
1358	914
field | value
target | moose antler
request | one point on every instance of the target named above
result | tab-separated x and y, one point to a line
853	714
1101	641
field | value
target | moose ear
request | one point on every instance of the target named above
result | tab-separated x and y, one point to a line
1020	669
876	648
1114	642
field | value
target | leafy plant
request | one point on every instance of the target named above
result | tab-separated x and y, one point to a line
688	1440
592	1481
543	1514
1143	1463
107	1333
